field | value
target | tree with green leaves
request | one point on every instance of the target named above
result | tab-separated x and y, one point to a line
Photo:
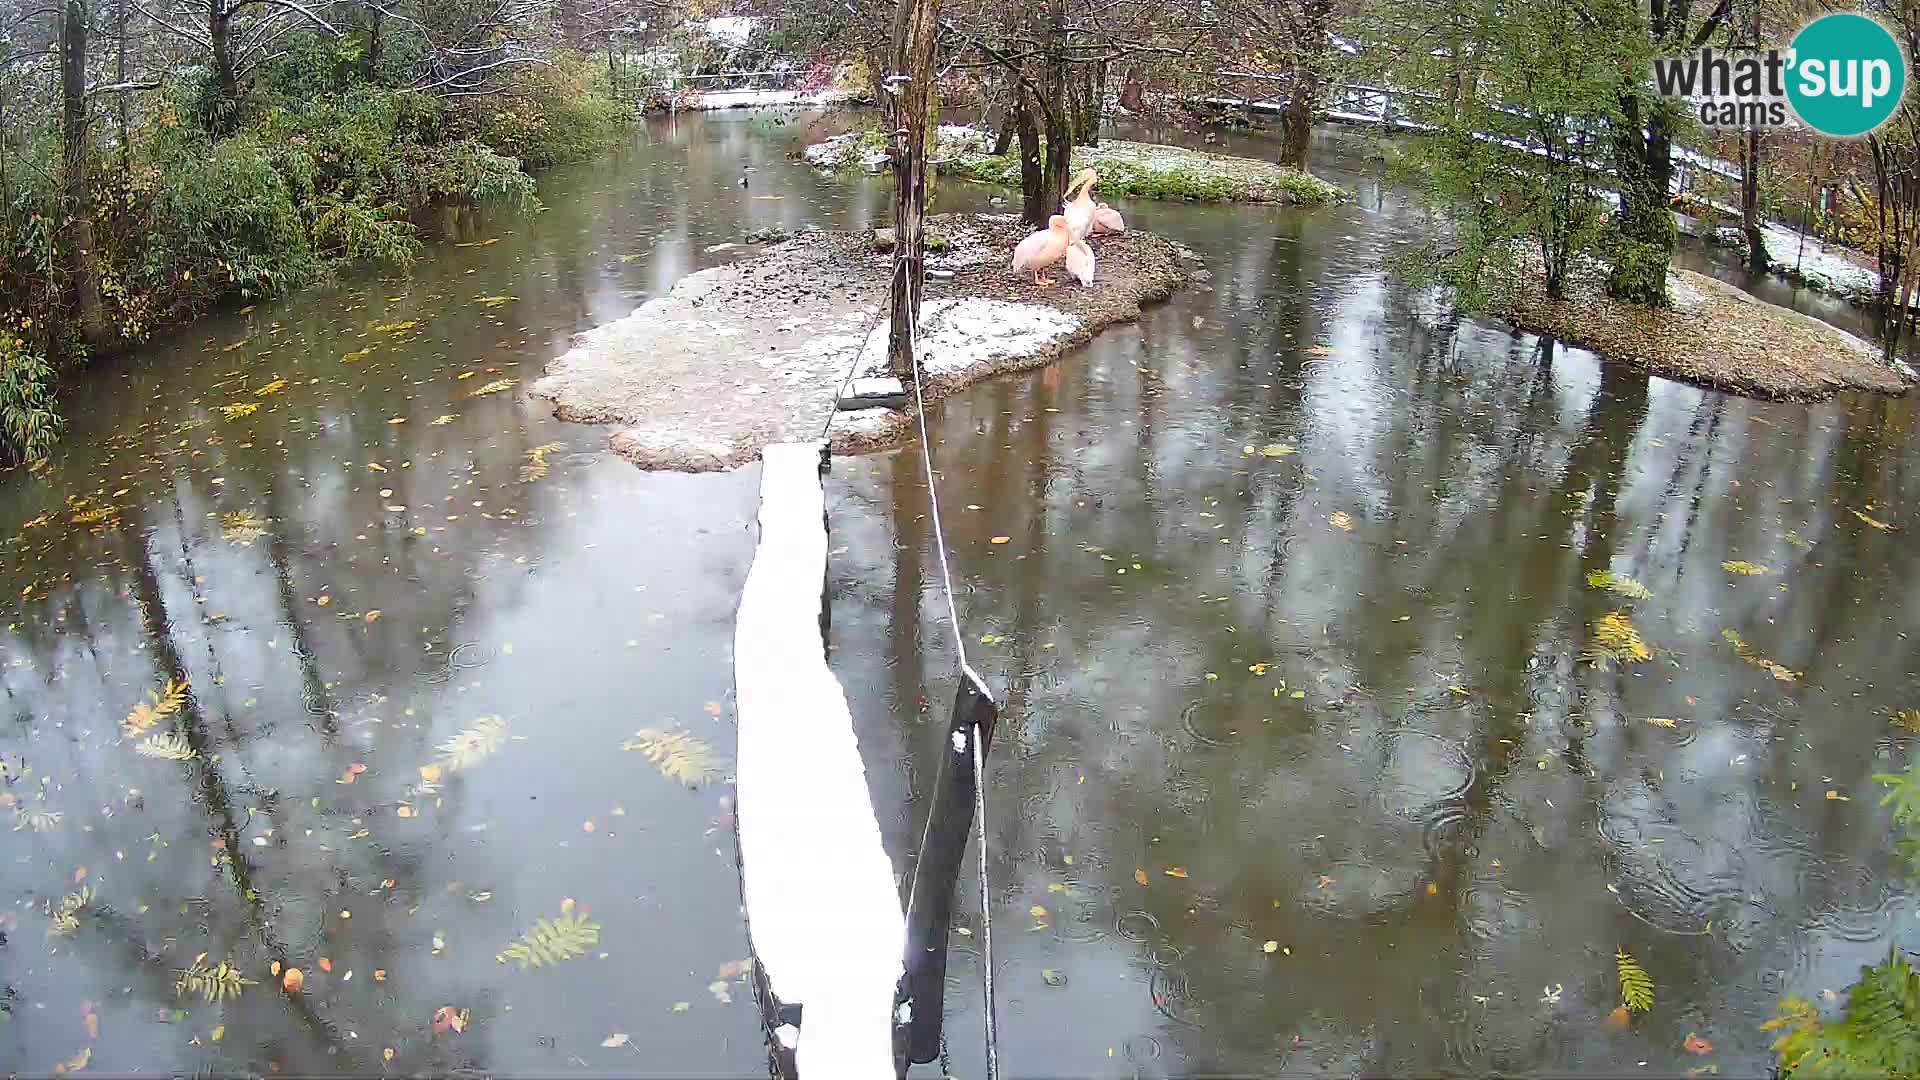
1513	157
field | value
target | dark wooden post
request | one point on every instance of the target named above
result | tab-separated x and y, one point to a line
936	870
910	88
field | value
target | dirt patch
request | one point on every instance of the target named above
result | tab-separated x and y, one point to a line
755	352
1714	335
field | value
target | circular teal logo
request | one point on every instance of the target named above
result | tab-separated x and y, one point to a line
1846	75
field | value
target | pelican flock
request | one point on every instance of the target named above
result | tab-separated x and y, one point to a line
1065	237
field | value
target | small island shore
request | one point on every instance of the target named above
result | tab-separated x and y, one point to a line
1127	169
755	352
1714	335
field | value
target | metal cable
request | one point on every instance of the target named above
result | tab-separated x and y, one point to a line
859	354
986	905
933	496
976	737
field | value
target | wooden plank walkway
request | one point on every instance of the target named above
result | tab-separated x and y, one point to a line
823	910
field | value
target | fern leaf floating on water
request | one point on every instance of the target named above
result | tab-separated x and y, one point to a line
1620	586
1615	641
1636	986
161	703
241	527
474	745
678	755
493	387
65	920
536	466
168	746
213	984
552	940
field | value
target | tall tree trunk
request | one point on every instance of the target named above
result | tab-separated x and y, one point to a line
79	194
914	35
573	27
1003	142
226	76
1089	101
376	42
1054	108
124	106
1133	91
1034	209
1757	257
1643	246
1313	49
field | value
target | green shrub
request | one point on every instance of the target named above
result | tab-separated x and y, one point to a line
226	216
550	114
29	422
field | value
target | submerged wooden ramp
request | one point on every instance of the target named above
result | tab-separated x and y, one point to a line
823	912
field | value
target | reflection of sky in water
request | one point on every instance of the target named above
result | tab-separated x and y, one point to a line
1451	814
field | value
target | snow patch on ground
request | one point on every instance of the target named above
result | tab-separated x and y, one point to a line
1823	269
956	337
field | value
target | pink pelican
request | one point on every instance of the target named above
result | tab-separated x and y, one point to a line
1043	249
1107	220
1079	208
1080	262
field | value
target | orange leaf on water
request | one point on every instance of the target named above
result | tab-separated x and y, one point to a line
293	980
1176	871
1619	1018
1696	1045
326	964
1139	875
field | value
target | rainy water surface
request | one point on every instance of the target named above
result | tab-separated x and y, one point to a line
1304	766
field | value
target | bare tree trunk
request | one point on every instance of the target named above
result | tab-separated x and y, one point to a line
914	33
376	42
1034	209
1054	108
220	35
573	28
79	195
1757	257
125	104
1003	142
1133	91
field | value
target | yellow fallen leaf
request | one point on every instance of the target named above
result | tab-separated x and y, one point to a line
75	1063
387	1054
1000	540
430	773
1875	522
1271	947
398	420
1341	520
1278	449
219	1032
1176	871
1037	911
1661	721
1139	875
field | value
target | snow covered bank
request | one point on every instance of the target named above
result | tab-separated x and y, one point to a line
1150	170
1714	335
755	352
773	99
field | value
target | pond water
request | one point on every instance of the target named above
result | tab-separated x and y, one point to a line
1289	622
